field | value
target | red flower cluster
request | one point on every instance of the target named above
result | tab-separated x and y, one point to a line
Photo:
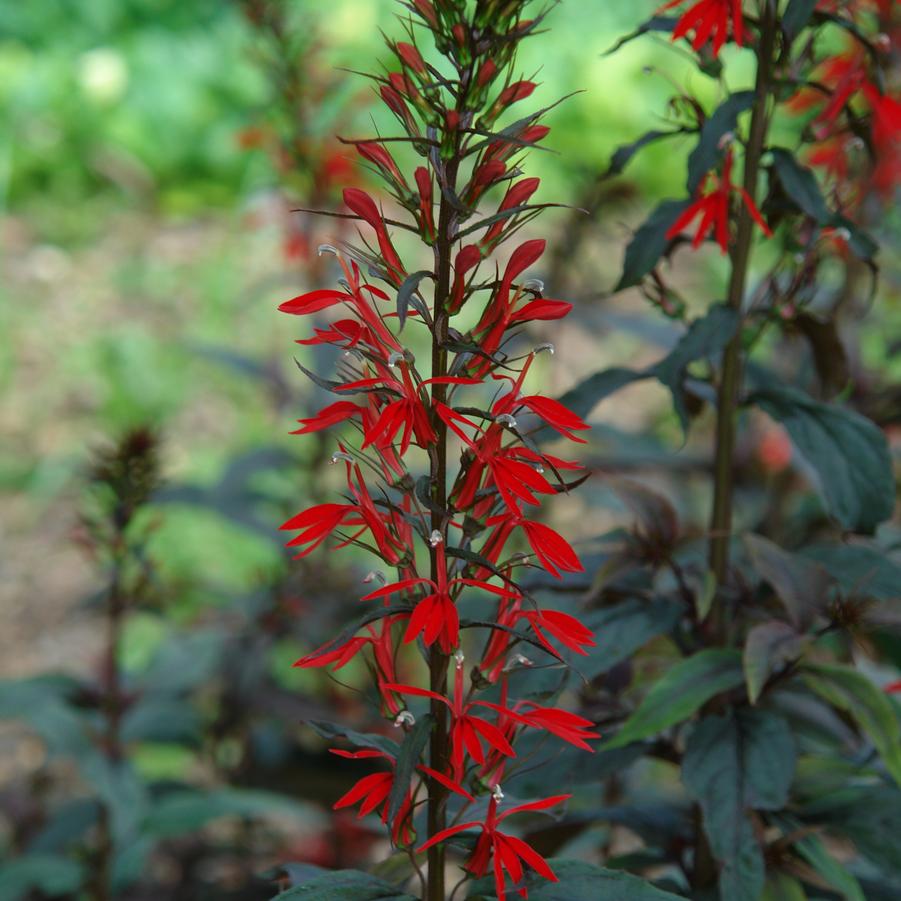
447	534
857	124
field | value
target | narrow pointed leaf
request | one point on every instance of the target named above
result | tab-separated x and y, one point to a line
680	692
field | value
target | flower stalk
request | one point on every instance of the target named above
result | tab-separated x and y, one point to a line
728	388
464	200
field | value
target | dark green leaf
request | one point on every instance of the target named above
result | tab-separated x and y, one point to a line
345	885
861	243
768	647
185	811
623	155
801	185
42	703
708	151
622	629
585	396
579	881
663	24
811	849
853	693
407	760
870	815
405	295
649	243
50	874
782	887
796	17
733	763
861	569
163	719
332	731
802	585
705	337
680	692
848	453
123	793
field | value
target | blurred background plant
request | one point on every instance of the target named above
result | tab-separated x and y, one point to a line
152	151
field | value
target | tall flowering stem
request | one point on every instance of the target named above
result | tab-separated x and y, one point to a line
730	374
450	532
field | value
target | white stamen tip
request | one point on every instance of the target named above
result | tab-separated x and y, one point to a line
843	234
497	793
534	284
726	140
506	419
374	575
340	455
539	469
435	538
459	658
326	248
544	347
516	661
404	718
345	284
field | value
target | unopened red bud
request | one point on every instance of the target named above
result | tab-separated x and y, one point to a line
517	91
487	71
410	57
427	11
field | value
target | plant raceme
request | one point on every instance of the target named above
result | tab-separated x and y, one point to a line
468	535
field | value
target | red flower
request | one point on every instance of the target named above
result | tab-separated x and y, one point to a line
709	19
467	258
507	852
886	129
500	466
435	616
317	523
377	154
374	329
713	208
426	219
364	206
409	411
565	628
551	411
517	195
503	311
468	731
571	728
383	657
553	551
373	790
340	411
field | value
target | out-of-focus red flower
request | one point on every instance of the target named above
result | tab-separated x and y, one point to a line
712	205
774	450
886	130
